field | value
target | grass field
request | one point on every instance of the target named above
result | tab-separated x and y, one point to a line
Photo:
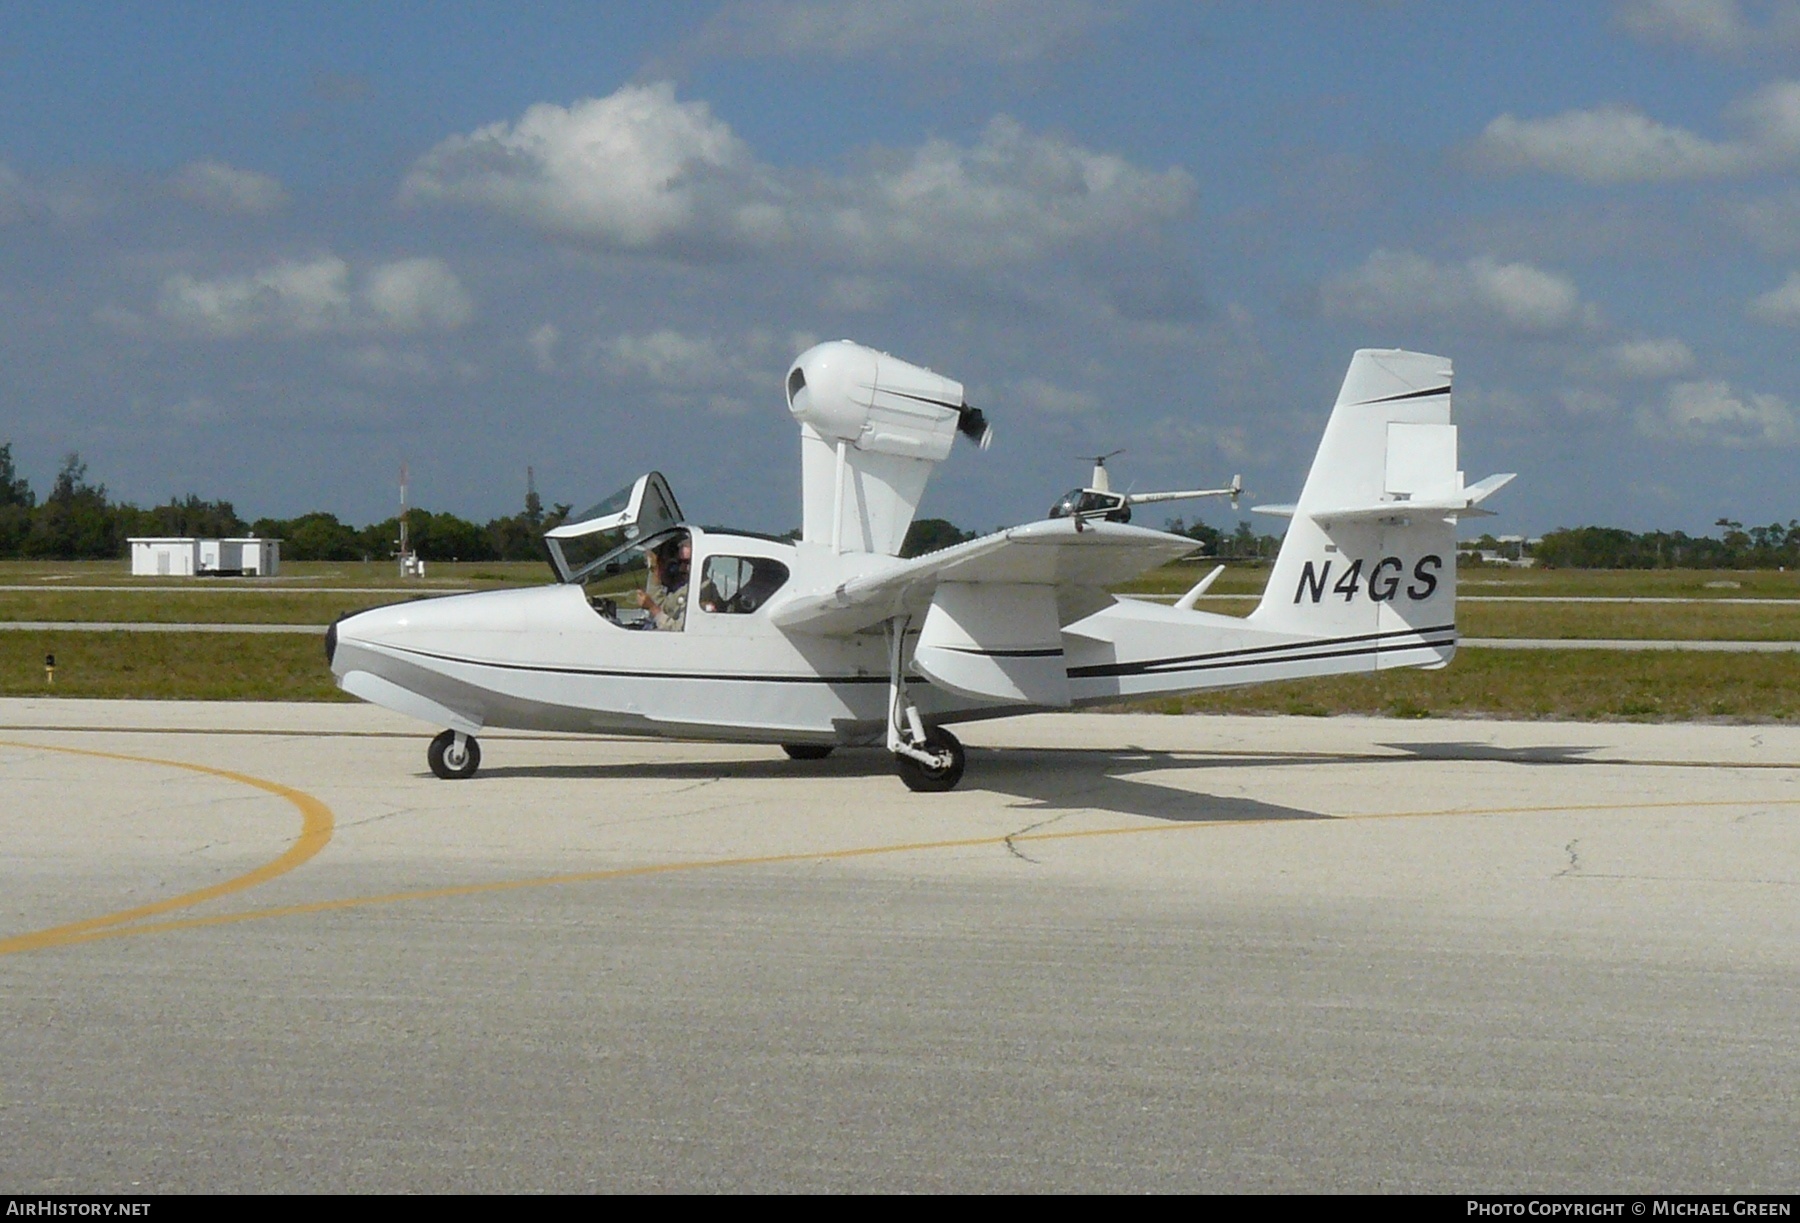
171	607
1528	684
169	666
1577	685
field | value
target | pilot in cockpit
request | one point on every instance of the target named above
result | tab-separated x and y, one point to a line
665	594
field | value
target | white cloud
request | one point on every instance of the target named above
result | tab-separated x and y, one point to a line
1771	120
1577	401
666	358
317	295
1649	359
21	200
1495	406
417	295
1402	284
997	31
640	170
1711	25
224	188
1780	305
725	374
1180	439
1619	144
1047	398
1612	144
1010	197
1720	27
854	294
542	343
310	296
1711	413
632	170
1771	222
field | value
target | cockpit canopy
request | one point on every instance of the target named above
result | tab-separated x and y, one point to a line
590	539
1091	503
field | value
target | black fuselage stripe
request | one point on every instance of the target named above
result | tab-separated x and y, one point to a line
1300	651
621	674
1124	668
1053	652
1140	672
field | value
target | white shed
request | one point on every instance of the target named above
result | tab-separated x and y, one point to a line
251	557
165	557
171	557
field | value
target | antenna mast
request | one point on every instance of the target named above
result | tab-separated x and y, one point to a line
409	564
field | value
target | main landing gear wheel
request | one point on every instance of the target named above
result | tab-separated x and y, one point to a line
926	778
806	751
453	760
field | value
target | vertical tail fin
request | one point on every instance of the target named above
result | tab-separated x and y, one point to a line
1370	558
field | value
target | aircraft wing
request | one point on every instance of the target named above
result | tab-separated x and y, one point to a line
1080	564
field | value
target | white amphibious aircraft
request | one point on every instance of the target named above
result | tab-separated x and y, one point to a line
659	627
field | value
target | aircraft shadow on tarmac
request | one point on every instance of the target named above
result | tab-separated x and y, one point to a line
1046	780
1069	779
1560	753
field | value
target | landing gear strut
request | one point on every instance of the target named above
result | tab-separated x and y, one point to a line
928	759
454	755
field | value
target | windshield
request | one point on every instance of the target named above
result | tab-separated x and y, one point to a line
588	542
614	504
1086	502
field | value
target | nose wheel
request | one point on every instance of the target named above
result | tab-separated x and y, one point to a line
454	755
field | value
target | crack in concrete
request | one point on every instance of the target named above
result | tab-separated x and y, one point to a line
376	819
698	785
1011	843
1574	866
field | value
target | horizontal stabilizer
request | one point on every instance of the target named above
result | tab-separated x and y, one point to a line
1279	511
1460	504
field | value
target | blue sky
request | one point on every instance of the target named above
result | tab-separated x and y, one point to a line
268	253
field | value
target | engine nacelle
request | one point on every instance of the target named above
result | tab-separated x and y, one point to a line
871	429
879	404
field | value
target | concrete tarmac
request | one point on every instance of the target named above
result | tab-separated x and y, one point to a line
259	947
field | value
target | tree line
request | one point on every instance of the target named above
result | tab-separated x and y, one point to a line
1243	544
1736	547
76	521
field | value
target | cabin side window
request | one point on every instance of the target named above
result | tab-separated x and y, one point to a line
739	585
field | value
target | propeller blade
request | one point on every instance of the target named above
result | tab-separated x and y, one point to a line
973	424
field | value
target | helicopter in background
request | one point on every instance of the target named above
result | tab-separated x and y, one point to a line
1099	502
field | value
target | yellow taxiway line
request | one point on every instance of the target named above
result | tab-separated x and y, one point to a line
317	824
